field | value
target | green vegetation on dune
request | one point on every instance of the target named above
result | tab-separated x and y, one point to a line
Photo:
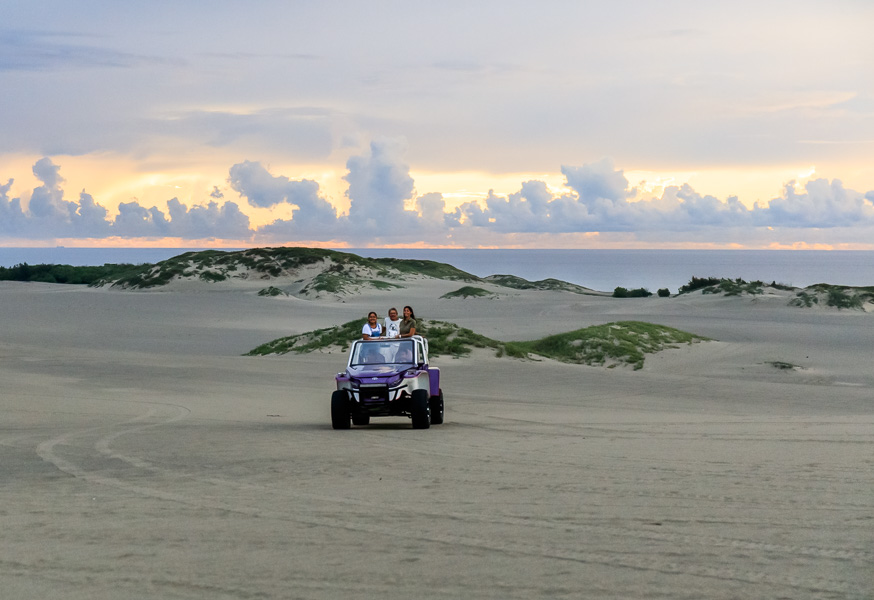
448	339
52	273
443	338
339	335
621	292
468	292
729	287
345	271
622	342
428	268
518	283
218	265
612	344
272	291
837	296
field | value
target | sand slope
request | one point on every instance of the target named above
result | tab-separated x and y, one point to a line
142	457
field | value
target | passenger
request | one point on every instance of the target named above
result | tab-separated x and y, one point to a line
392	324
408	323
371	329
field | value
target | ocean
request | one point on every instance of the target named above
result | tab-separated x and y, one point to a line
597	269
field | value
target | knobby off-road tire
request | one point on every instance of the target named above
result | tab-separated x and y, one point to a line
437	409
420	409
341	416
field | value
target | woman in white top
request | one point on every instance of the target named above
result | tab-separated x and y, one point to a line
371	329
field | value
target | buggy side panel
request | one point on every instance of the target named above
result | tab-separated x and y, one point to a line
434	378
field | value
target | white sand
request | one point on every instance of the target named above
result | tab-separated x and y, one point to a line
142	457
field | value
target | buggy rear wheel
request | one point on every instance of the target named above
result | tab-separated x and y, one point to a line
437	409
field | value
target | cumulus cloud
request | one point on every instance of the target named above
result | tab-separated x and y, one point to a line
262	189
379	182
823	204
597	199
601	202
379	187
48	215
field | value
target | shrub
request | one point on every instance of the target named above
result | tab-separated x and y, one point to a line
664	293
841	299
271	291
696	283
621	292
212	276
467	291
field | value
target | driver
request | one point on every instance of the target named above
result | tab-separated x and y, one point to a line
372	355
405	354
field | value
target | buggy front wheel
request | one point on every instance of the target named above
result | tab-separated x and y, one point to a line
420	409
341	416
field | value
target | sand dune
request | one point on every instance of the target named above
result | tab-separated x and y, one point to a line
141	456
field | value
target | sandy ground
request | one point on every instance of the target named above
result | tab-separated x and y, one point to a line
141	456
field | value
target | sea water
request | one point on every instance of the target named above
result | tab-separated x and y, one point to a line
597	269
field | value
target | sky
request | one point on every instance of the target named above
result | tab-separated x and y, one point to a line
494	124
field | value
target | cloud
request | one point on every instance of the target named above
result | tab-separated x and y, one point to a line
212	221
598	199
601	204
823	204
134	220
597	182
261	189
379	182
48	215
379	186
22	50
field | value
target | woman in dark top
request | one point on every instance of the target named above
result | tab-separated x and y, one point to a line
408	323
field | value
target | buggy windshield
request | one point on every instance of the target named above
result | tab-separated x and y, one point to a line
382	352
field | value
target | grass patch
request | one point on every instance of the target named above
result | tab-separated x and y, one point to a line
271	291
448	339
54	273
340	335
346	269
518	283
385	285
804	299
729	287
212	276
622	342
835	296
468	292
783	366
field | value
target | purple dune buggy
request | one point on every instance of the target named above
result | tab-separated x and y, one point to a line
388	378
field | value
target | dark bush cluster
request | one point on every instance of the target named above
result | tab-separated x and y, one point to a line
51	273
697	283
621	292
